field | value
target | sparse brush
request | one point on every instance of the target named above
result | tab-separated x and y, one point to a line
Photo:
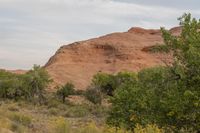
21	119
158	48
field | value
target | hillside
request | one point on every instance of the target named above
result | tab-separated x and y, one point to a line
79	61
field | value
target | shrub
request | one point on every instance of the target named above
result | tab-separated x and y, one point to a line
159	49
10	85
104	83
126	100
167	96
61	126
53	111
107	83
18	128
91	128
114	130
65	91
35	82
13	107
79	92
29	86
21	119
98	110
148	129
77	111
93	95
5	123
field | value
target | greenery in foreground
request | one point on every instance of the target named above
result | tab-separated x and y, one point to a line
23	117
154	100
166	96
30	86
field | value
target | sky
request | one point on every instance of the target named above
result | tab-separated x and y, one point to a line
32	30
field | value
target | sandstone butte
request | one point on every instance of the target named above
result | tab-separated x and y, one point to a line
127	51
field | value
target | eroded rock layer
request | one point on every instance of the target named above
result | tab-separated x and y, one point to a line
79	61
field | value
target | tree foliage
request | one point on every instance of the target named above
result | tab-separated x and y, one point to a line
11	85
65	91
36	81
107	83
93	95
166	96
104	83
29	86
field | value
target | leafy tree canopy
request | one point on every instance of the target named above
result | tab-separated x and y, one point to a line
167	96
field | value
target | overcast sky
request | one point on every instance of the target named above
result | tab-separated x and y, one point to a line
32	30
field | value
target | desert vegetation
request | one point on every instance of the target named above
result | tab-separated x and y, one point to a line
162	99
166	96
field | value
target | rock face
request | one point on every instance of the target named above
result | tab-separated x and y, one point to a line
79	61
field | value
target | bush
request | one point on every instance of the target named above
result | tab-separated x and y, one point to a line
29	86
127	100
104	83
53	111
53	103
21	119
35	83
167	96
93	95
148	129
77	111
98	110
11	86
159	48
91	128
61	126
79	92
13	107
5	123
65	91
18	128
107	83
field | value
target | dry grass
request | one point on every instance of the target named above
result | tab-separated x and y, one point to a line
22	117
55	117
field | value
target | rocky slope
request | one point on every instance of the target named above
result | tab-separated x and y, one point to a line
127	51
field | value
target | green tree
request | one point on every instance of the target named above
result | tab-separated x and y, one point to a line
104	82
124	78
166	96
10	85
186	49
35	83
65	91
107	83
28	86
